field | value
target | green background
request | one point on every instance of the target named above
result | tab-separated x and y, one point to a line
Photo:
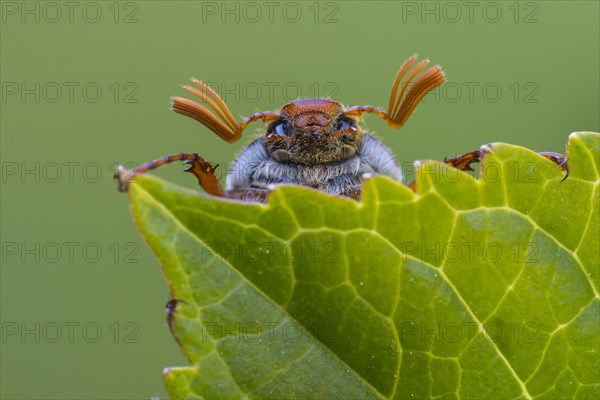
548	49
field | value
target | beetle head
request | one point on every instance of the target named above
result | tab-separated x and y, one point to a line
312	132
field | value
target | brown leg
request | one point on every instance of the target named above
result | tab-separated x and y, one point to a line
559	160
464	162
202	170
205	173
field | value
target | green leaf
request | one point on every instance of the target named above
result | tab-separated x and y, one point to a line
467	288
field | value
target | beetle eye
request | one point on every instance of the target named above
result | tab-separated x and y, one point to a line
278	128
346	124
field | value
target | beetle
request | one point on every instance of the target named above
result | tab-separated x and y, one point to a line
316	143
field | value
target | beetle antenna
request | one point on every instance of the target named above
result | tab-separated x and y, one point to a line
218	117
399	112
404	100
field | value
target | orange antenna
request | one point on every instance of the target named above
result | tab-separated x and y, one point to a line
219	120
404	99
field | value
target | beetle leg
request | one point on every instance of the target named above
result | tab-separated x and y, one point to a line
559	160
202	170
413	186
464	162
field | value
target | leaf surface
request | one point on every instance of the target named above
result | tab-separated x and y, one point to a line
484	288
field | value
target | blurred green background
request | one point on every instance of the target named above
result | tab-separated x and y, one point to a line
86	85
